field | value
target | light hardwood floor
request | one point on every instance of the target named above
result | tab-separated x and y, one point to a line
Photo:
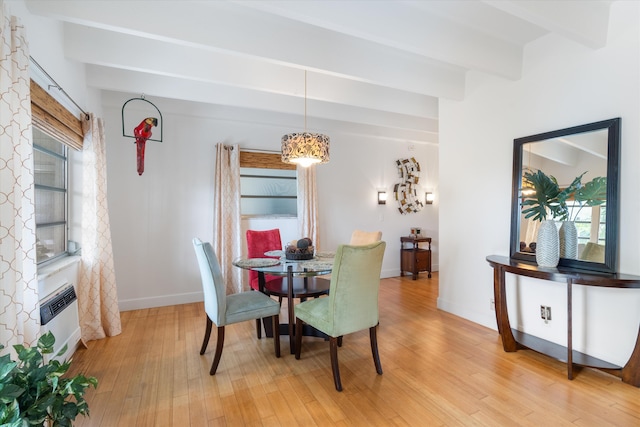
438	370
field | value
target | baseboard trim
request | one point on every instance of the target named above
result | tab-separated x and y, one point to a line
160	301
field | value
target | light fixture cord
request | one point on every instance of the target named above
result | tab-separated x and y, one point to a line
305	101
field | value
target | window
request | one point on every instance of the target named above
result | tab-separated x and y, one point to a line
268	187
268	192
55	130
50	169
589	231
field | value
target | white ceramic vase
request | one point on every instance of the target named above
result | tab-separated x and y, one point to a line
548	244
568	235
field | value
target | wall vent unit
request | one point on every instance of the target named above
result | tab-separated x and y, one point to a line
54	306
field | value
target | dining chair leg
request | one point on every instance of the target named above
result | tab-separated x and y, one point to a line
258	328
333	345
374	348
298	337
219	345
276	334
207	335
340	341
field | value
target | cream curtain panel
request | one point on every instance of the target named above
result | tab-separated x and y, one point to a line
226	215
19	307
97	293
308	204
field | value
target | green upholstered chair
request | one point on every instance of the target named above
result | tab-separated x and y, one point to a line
592	252
352	303
223	309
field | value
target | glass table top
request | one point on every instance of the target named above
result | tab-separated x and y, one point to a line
280	266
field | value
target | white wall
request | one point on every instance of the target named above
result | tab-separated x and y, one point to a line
563	85
348	189
155	216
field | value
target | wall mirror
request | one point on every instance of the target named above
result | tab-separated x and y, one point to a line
592	149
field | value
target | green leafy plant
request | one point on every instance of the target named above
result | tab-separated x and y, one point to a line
33	392
593	193
546	198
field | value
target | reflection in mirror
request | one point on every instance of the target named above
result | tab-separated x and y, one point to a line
590	152
585	154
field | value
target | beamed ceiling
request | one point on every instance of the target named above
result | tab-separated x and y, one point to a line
373	67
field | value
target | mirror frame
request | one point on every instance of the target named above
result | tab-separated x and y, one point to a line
610	264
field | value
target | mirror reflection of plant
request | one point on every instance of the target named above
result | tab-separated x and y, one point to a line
593	193
548	199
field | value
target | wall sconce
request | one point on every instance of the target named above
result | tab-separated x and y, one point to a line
428	198
382	197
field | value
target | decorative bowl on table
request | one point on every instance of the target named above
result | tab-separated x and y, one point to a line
299	249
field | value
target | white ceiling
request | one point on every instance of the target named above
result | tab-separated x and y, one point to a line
373	66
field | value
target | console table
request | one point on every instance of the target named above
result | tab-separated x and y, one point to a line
415	258
513	340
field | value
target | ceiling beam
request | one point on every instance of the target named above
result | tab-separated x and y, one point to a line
137	83
425	31
230	28
246	74
585	22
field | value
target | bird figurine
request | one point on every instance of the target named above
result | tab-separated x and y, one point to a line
142	132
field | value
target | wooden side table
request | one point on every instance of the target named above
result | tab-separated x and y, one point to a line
413	258
513	339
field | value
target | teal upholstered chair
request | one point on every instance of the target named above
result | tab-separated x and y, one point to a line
352	303
223	309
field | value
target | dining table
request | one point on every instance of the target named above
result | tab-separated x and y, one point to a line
276	263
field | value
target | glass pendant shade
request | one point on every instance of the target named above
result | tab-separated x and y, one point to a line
305	148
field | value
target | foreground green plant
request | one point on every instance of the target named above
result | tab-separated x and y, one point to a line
33	392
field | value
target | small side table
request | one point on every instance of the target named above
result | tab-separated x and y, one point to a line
414	258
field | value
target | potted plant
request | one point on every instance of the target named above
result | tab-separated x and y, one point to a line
547	199
33	392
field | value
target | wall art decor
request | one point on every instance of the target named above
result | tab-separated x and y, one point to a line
405	191
142	132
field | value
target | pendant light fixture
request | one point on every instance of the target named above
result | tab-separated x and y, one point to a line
305	148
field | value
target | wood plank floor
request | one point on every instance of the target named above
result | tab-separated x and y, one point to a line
439	370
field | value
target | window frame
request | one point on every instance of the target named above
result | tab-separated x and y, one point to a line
262	160
54	120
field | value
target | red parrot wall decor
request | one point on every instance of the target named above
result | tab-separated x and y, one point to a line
142	132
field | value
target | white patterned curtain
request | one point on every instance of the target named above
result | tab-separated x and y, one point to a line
226	215
308	204
19	307
97	293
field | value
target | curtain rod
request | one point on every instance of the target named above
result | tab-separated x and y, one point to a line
254	150
56	85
